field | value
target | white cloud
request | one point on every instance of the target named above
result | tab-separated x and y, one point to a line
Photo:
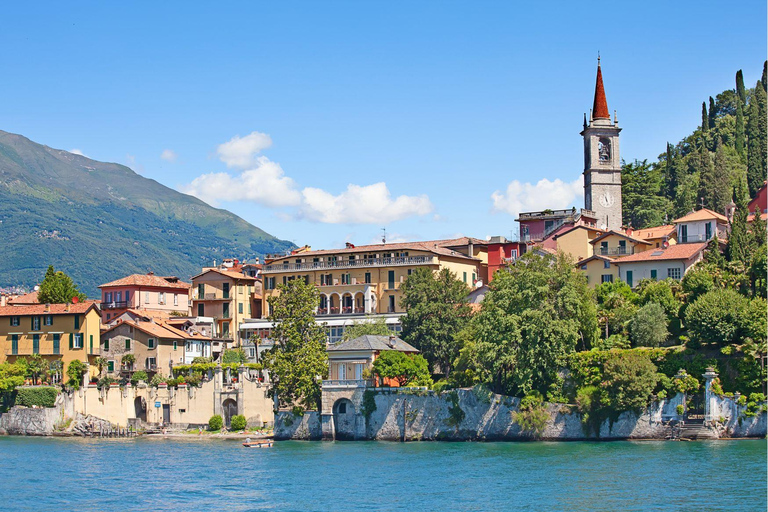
264	184
369	204
169	155
528	197
240	152
78	152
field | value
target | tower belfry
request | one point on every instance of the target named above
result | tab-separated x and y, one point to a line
602	163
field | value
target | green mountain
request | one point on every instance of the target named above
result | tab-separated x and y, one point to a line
100	221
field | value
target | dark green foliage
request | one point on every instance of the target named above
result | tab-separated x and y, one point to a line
725	317
75	371
38	397
58	207
234	355
740	90
436	310
139	375
696	283
532	415
369	403
237	422
756	140
215	423
740	130
405	369
11	375
629	380
58	288
455	413
298	358
644	204
704	117
712	112
616	305
740	241
648	328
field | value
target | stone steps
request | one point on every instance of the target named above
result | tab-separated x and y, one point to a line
697	431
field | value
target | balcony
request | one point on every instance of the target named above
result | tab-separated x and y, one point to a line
28	351
614	251
346	384
346	264
115	304
341	311
689	239
212	296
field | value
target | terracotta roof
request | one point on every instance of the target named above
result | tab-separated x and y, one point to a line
150	328
622	235
27	298
434	246
574	228
54	309
703	214
148	280
673	252
656	232
372	342
227	273
593	257
600	105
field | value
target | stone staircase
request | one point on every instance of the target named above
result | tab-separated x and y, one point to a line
697	431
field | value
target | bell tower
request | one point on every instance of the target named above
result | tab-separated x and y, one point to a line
602	163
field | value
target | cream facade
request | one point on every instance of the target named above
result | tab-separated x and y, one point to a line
154	348
226	296
598	269
163	295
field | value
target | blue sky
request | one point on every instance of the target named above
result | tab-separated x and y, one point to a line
327	121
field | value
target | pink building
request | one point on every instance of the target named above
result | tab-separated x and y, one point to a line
144	291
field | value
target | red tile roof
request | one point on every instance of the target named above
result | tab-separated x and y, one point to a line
703	214
227	273
600	105
27	298
655	232
673	252
622	235
53	309
148	280
439	247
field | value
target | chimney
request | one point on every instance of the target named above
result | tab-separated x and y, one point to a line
630	230
47	308
391	342
66	308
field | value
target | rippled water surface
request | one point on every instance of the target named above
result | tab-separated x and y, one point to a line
47	474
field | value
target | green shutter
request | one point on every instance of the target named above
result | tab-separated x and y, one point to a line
91	344
71	341
31	323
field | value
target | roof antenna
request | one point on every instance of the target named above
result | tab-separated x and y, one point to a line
384	235
598	58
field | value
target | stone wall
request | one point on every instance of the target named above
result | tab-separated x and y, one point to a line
401	415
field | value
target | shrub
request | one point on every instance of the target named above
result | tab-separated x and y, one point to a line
105	382
442	385
157	379
648	328
40	397
680	409
75	371
238	422
234	355
216	422
139	375
686	384
532	416
613	341
717	316
630	378
369	403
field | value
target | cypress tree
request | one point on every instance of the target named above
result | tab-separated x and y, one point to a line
712	112
704	117
758	229
706	177
740	128
740	243
671	173
756	140
720	192
764	78
740	91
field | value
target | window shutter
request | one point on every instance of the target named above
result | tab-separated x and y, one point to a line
31	323
71	341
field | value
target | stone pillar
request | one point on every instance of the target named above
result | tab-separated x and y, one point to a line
241	389
218	384
710	404
86	375
327	426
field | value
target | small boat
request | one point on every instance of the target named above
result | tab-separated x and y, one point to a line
267	443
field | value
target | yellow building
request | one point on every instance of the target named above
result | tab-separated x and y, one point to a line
576	241
614	244
367	279
598	269
226	295
657	235
58	332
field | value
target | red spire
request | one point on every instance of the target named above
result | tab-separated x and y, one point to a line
600	106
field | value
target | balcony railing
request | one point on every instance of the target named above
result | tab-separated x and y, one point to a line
687	239
211	296
115	304
344	383
614	251
23	351
370	262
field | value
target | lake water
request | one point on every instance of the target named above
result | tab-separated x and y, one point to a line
54	474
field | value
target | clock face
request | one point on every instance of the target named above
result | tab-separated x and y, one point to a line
606	199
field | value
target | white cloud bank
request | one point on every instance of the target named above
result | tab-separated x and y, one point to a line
169	155
528	197
264	182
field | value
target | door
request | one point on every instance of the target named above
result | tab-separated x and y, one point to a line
391	280
683	233
629	278
166	414
230	409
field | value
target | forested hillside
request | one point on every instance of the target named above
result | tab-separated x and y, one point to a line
723	158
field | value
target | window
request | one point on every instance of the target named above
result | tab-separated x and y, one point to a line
474	278
201	291
584	267
14	344
175	345
109	316
225	290
622	247
90	343
240	308
35	323
345	279
127	296
35	343
57	343
78	341
239	289
146	298
201	310
674	273
161	297
48	320
683	233
606	264
603	248
106	344
251	353
270	283
342	376
225	329
150	363
151	343
653	273
77	321
606	278
391	279
15	321
128	344
465	277
175	299
108	297
708	230
225	310
391	304
110	366
410	271
629	278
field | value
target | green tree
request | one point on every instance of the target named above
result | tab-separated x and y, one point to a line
718	317
629	378
740	129
663	293
11	375
616	305
436	309
704	117
75	370
696	283
644	204
532	317
740	90
740	241
234	355
58	288
403	368
373	326
298	361
712	112
648	328
756	140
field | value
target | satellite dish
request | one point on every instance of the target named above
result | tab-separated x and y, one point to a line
75	300
665	245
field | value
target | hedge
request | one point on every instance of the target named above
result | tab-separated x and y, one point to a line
41	397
